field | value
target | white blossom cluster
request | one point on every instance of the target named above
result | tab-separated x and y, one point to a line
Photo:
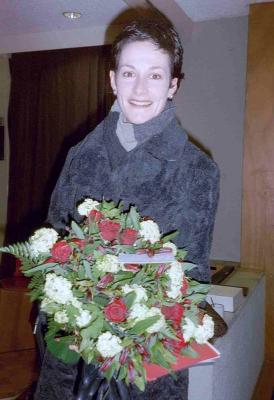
58	289
141	294
171	246
42	241
176	275
87	206
140	311
108	263
109	345
58	293
150	231
200	333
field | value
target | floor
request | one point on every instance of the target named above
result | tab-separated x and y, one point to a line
18	370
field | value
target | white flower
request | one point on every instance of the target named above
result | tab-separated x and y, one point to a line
176	275
150	231
108	263
87	206
58	289
189	329
49	306
138	311
42	241
61	317
204	331
76	303
141	293
171	246
109	345
160	324
83	319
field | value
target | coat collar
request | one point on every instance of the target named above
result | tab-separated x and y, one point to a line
166	145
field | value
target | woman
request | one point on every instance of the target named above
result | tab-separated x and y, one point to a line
141	155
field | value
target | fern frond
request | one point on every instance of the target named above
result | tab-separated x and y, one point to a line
36	286
19	250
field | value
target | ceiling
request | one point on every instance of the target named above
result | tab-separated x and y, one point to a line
39	24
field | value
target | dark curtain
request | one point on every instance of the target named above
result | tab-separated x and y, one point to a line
57	97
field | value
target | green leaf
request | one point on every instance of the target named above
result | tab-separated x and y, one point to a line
129	299
94	330
61	350
169	237
196	297
141	326
187	266
140	382
157	356
42	267
87	269
110	371
122	373
101	299
134	218
189	352
77	230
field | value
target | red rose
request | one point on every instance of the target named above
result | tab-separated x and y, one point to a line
79	242
174	313
61	251
128	236
95	215
109	230
116	311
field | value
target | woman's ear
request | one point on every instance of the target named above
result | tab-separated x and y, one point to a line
112	82
173	87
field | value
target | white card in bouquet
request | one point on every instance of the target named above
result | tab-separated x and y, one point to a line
157	258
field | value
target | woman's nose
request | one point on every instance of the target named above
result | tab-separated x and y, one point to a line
140	86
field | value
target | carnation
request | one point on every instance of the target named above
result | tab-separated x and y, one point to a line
83	319
61	317
87	206
160	324
150	231
189	329
141	293
58	289
42	241
171	246
204	331
109	345
108	263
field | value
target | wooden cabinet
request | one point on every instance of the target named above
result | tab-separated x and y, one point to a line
257	239
15	316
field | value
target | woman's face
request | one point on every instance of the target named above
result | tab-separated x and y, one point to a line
142	81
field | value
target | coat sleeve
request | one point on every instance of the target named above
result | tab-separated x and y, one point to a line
197	221
62	199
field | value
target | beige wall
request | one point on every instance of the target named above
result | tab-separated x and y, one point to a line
210	105
4	165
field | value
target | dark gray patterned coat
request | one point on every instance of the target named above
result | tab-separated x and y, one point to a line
167	177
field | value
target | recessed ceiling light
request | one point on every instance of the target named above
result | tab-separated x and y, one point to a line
72	14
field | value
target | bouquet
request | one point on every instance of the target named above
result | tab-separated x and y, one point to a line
115	292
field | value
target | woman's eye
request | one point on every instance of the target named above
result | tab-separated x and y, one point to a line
128	74
155	76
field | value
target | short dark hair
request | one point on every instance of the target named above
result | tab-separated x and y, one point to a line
163	35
